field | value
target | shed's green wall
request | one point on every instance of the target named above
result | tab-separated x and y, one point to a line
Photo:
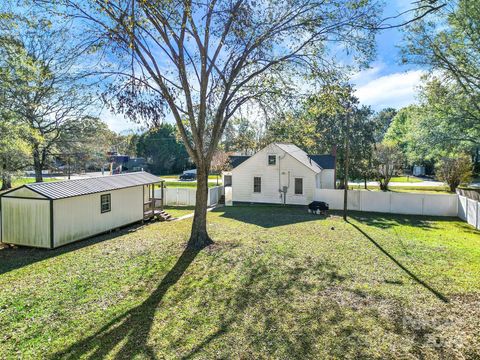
26	222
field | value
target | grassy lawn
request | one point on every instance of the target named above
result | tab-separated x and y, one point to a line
277	283
409	179
177	211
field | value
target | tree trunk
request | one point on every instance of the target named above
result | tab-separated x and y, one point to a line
347	156
6	181
37	164
365	182
199	237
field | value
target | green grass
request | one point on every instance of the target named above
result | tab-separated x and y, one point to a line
178	211
186	184
22	181
277	283
409	179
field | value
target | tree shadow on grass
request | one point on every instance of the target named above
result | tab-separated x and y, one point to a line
259	286
268	216
386	221
438	294
129	331
12	258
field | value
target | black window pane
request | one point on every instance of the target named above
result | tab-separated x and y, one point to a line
272	159
257	184
298	186
105	203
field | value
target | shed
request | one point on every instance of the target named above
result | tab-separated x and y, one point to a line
49	215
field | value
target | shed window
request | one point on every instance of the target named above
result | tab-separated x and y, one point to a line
105	203
227	180
272	159
257	184
298	186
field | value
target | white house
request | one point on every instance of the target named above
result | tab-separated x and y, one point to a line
53	214
279	173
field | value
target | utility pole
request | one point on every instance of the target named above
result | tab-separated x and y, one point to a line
346	143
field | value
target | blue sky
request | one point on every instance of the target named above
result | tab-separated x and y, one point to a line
386	83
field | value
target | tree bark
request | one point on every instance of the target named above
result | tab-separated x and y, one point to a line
6	181
37	164
199	236
347	155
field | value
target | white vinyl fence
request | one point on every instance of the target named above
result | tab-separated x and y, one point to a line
186	196
390	202
469	210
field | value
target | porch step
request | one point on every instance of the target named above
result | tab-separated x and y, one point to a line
222	200
160	215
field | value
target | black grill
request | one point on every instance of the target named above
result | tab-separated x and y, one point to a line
318	206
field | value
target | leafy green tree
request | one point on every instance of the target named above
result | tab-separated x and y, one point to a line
164	152
454	170
320	125
382	120
15	150
45	90
449	44
388	160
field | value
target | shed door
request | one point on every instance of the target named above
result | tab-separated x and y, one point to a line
26	222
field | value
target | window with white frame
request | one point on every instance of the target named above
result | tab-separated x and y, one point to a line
272	160
105	203
298	186
257	184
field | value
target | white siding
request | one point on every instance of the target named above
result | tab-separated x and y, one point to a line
26	222
274	177
79	217
327	179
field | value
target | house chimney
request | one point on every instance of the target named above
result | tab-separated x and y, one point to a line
334	154
334	150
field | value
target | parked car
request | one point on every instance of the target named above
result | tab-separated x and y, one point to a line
188	177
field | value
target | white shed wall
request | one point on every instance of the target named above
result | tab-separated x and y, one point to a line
80	217
26	222
272	178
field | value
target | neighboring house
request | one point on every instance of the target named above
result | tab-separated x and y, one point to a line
279	173
48	215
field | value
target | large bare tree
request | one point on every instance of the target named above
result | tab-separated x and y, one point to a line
204	60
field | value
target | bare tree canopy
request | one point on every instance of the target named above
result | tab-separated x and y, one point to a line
206	59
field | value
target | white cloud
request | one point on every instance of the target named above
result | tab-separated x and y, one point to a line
117	122
394	90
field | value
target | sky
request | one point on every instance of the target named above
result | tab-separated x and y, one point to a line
387	83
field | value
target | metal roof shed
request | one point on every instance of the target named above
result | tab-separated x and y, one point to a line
48	215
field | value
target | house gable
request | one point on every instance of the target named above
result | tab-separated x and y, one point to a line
24	192
292	151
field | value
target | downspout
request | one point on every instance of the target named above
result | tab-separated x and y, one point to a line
279	177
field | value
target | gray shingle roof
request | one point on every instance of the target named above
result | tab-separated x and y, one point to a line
77	187
324	161
300	155
236	160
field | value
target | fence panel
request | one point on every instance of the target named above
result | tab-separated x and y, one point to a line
440	205
472	212
462	207
186	196
389	202
375	201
